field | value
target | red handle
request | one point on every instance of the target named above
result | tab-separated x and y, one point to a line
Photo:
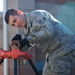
15	53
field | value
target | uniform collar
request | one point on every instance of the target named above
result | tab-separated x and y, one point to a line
27	20
28	23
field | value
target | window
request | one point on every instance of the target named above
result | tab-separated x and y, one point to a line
1	5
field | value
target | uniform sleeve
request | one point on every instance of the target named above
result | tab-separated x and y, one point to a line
42	28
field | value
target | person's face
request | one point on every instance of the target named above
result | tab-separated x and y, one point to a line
16	21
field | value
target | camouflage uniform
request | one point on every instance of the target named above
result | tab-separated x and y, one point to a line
53	38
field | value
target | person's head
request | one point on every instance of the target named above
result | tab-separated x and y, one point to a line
15	17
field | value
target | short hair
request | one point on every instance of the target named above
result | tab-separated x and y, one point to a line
8	13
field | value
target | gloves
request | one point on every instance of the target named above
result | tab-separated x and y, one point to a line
21	41
24	42
17	37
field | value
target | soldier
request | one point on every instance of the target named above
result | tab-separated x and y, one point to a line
50	35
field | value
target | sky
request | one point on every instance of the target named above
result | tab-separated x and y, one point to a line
1	5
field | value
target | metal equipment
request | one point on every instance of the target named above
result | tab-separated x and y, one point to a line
15	54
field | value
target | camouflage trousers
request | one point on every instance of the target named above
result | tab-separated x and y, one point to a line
59	66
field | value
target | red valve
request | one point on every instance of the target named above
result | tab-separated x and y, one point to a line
15	53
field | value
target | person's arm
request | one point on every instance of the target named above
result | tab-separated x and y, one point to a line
42	28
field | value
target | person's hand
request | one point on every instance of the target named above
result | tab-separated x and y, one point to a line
15	41
22	42
17	37
15	44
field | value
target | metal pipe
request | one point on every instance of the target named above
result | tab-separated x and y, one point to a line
5	37
15	67
33	67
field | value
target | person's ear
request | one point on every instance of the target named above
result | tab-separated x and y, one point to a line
19	12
